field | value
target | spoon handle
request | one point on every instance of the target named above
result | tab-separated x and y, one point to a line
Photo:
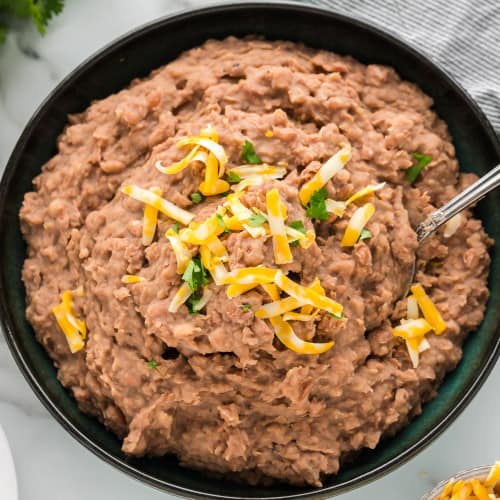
463	200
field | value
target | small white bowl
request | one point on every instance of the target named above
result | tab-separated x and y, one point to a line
476	472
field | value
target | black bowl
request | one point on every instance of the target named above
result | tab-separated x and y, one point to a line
153	45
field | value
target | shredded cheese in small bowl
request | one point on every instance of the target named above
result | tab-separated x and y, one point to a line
478	483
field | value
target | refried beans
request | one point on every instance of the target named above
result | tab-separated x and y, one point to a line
217	388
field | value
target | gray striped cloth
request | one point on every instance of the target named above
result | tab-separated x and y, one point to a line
461	36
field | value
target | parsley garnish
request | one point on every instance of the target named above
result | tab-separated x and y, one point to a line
339	315
175	227
196	197
256	220
248	153
246	307
316	208
422	161
365	234
40	12
233	178
298	225
221	223
195	274
152	364
193	304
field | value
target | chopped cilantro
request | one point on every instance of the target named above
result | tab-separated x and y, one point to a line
339	315
3	33
422	161
256	220
193	304
221	223
195	274
152	364
246	307
366	234
175	227
196	197
316	208
298	225
40	12
248	153
233	178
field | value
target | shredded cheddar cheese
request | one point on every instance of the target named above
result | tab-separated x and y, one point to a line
243	214
246	171
180	297
289	338
277	308
131	279
472	489
74	329
370	189
411	329
205	148
150	220
411	307
269	133
211	146
325	173
429	310
307	295
161	204
250	275
181	251
236	290
494	475
356	224
276	215
202	233
192	156
294	316
212	185
272	290
335	207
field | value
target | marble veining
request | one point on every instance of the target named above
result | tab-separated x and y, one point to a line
49	462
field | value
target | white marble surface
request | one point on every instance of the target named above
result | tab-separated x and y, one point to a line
50	463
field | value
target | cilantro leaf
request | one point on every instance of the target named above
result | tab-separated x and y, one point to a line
196	197
3	33
422	161
339	315
221	223
193	304
246	307
195	274
256	220
152	364
298	225
175	227
366	234
316	208
40	12
233	178
248	153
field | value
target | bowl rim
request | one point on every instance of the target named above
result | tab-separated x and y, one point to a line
66	83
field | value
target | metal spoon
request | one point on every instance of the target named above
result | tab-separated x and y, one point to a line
460	202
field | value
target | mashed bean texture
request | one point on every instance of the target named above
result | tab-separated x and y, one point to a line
224	394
